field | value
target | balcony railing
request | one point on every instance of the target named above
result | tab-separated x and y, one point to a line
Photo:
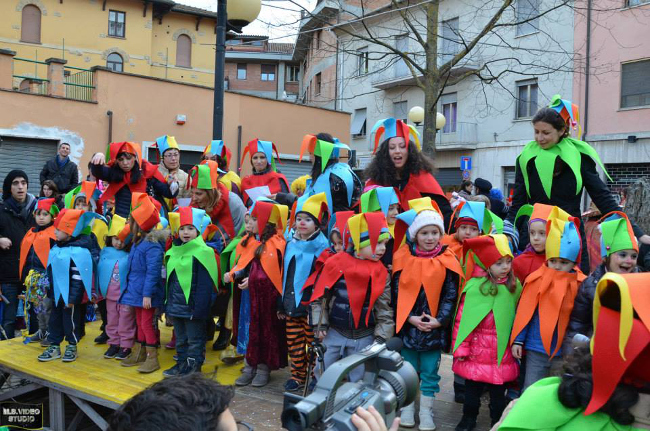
465	137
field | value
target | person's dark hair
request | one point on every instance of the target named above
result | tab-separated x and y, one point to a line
52	186
492	288
222	163
108	241
119	173
62	144
316	166
382	170
190	402
270	230
550	116
465	184
577	386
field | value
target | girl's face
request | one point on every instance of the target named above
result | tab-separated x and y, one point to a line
337	242
117	243
501	268
305	225
466	231
428	237
200	198
248	223
254	228
60	235
80	204
560	264
397	152
187	233
126	161
259	162
367	254
43	218
537	235
622	261
47	192
546	135
393	211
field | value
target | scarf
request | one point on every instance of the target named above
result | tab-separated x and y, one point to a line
61	163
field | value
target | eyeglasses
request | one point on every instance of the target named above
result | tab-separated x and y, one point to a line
243	426
173	155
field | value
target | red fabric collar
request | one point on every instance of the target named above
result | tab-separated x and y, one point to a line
271	179
148	171
422	182
221	212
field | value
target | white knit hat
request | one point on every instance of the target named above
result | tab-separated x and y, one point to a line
426	218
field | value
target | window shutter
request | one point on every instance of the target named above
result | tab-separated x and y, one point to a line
635	84
184	51
31	24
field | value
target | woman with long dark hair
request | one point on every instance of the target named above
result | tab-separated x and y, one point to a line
399	163
265	173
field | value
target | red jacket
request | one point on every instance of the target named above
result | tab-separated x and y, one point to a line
526	263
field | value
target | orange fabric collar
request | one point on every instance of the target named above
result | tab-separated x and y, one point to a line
271	258
41	243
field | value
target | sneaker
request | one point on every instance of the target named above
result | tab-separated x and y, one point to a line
45	342
50	354
112	351
173	371
70	354
123	353
101	338
37	337
190	366
175	357
293	385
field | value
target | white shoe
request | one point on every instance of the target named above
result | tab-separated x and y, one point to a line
426	414
407	417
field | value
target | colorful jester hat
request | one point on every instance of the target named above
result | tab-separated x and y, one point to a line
187	215
119	228
165	143
476	213
145	210
268	211
407	219
620	345
616	234
378	199
315	206
367	229
391	128
562	237
266	147
116	148
75	222
488	249
218	148
87	189
339	224
204	176
568	111
541	212
47	204
324	149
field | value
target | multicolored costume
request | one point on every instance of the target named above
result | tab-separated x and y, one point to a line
230	179
162	144
270	177
381	199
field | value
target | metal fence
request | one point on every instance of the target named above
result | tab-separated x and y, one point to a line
79	84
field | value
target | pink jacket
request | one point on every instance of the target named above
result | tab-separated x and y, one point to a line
479	353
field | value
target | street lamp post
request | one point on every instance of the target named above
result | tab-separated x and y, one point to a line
241	13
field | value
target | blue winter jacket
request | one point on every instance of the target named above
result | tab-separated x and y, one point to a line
145	276
531	337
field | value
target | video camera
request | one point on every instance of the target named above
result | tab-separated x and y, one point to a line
389	383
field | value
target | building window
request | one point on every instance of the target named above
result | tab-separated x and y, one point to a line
449	103
451	41
114	62
241	71
358	126
527	15
293	72
362	61
319	82
400	111
31	25
526	98
116	23
268	72
631	3
184	51
401	45
635	84
318	36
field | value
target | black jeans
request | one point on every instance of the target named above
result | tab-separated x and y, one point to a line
65	322
473	392
190	339
10	291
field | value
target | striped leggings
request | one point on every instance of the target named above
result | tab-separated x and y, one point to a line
300	335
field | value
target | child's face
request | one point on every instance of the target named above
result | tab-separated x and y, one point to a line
61	236
501	268
42	217
248	224
305	225
254	228
117	243
367	254
259	162
428	237
187	233
623	261
537	234
393	211
337	242
80	204
560	264
466	231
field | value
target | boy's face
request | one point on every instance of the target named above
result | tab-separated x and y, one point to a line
466	231
61	236
428	237
117	243
537	234
42	217
501	268
560	264
393	211
80	204
187	233
305	225
623	261
337	242
367	254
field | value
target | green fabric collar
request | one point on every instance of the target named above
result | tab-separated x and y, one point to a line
180	258
568	149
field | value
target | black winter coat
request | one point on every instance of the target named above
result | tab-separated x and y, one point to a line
287	302
65	178
13	226
77	289
32	261
200	299
438	338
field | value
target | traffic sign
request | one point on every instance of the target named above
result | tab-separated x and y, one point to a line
466	173
466	163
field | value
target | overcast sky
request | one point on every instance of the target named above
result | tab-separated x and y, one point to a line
278	19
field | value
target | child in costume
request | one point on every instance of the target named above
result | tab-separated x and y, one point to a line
217	151
482	328
259	269
144	290
620	250
192	278
383	199
468	224
547	300
302	250
71	270
424	291
604	390
354	315
34	252
111	277
265	173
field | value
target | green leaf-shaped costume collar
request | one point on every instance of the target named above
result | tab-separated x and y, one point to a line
568	149
179	258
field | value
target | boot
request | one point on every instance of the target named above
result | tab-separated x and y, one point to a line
262	376
407	417
151	363
137	356
247	375
426	414
459	392
467	423
172	344
222	340
190	366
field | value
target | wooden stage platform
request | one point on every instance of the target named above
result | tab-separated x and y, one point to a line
91	379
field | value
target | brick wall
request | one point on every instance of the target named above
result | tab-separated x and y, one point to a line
624	175
253	81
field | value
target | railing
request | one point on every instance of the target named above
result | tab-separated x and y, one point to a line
465	136
28	82
79	85
78	82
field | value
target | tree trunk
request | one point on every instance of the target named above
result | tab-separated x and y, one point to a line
638	195
431	81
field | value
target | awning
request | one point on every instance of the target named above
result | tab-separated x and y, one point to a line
358	122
